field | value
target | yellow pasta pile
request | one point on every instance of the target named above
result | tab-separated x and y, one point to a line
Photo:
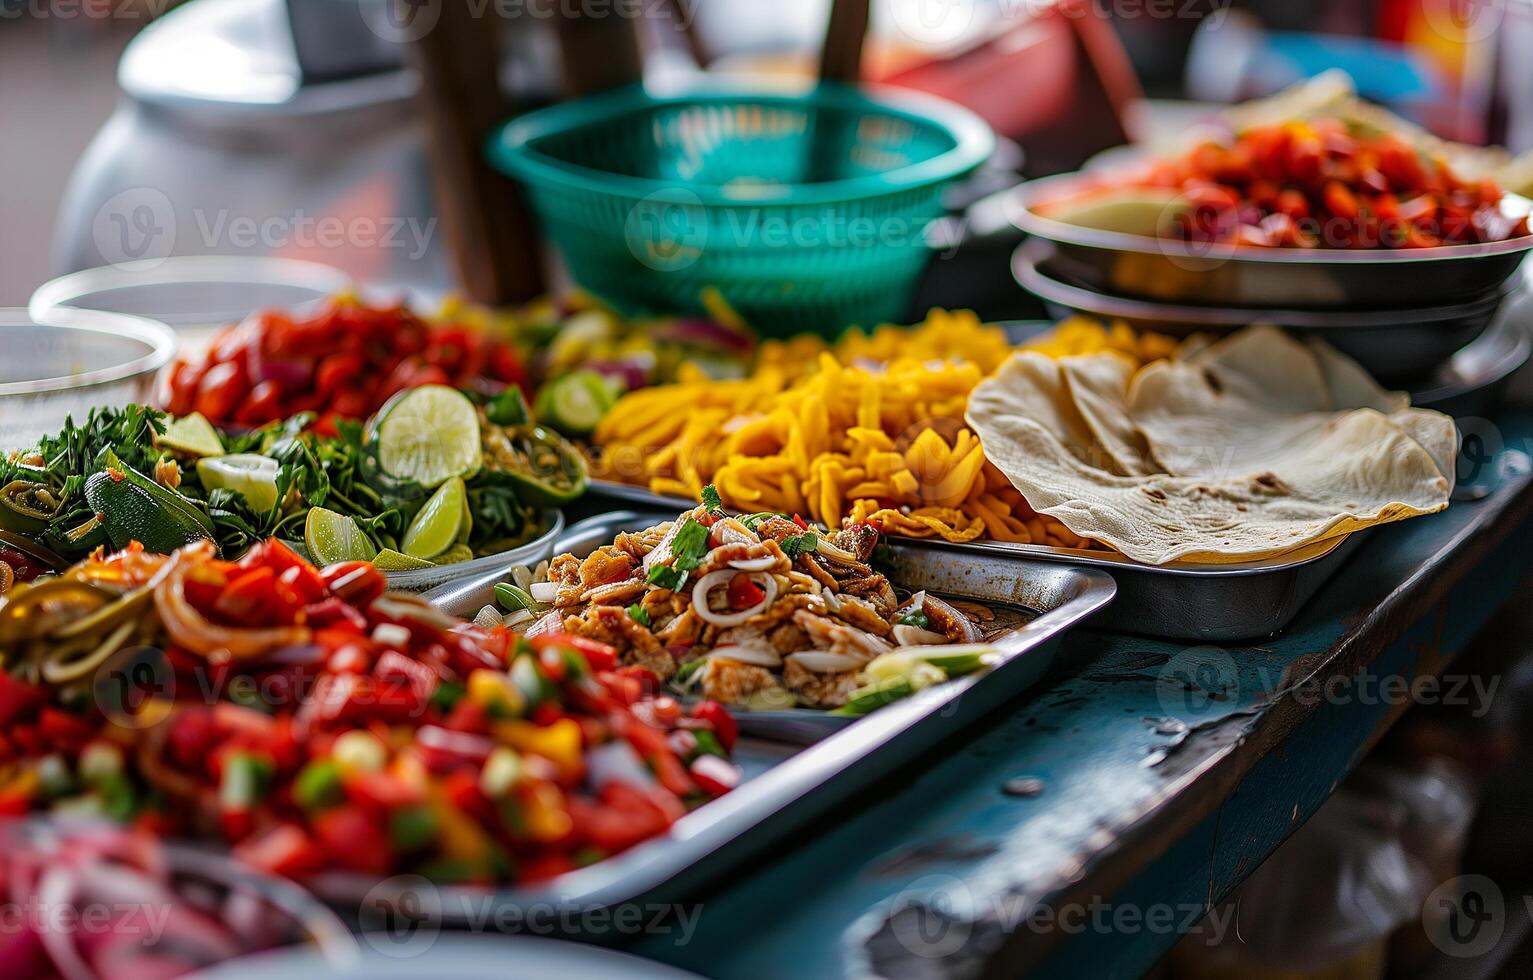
870	430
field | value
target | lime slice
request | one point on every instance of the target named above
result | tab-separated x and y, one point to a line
333	538
250	474
193	435
429	435
389	560
575	403
436	527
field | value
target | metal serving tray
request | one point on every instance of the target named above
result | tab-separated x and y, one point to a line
1205	603
787	786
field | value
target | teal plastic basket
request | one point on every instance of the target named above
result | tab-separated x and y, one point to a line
805	212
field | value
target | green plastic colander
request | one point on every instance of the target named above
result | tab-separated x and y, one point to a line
805	212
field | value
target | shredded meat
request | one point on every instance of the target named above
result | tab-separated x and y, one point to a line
943	618
731	682
613	626
859	539
819	690
605	566
818	604
863	616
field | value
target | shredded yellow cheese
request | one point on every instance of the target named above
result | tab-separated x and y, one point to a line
870	429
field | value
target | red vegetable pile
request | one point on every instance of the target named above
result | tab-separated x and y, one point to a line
344	361
1323	184
317	723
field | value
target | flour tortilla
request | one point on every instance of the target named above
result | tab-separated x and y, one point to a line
1097	386
1248	457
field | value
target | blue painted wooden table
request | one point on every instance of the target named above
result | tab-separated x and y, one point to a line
1081	828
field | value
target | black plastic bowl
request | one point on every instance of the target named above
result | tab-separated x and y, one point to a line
1397	347
1290	278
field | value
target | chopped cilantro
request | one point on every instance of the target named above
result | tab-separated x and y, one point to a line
639	614
710	496
689	546
798	544
666	577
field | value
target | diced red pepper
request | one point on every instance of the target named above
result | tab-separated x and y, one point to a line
18	698
724	724
743	593
285	850
357	582
354	838
715	775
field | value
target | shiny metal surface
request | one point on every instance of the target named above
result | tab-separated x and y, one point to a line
786	787
1182	272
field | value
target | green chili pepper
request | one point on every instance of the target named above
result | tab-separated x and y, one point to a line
318	785
412	827
27	508
244	782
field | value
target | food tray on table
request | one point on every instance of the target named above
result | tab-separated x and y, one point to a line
1206	603
785	785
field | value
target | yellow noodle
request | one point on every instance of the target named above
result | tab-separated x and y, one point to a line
871	428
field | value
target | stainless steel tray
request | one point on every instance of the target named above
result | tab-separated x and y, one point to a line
786	786
1205	603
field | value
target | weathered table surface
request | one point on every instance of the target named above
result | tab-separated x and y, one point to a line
1086	824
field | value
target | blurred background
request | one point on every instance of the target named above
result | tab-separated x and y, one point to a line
145	128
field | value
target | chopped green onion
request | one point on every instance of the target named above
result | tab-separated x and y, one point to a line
412	827
708	744
318	785
916	618
244	782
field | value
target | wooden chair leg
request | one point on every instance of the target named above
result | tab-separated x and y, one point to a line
489	228
841	56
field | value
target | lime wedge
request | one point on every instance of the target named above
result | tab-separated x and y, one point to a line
389	560
575	403
429	435
436	527
250	474
333	538
193	435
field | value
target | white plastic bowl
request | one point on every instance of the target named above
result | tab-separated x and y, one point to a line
193	292
70	362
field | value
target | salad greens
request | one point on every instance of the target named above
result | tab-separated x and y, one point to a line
111	478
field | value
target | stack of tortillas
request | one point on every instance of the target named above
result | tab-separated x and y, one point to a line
1243	449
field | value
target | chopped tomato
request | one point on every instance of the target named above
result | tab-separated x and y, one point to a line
743	593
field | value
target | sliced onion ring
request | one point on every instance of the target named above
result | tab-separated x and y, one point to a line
755	656
190	629
825	662
764	564
713	580
543	591
906	635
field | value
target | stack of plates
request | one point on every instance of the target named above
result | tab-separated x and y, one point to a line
1431	320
